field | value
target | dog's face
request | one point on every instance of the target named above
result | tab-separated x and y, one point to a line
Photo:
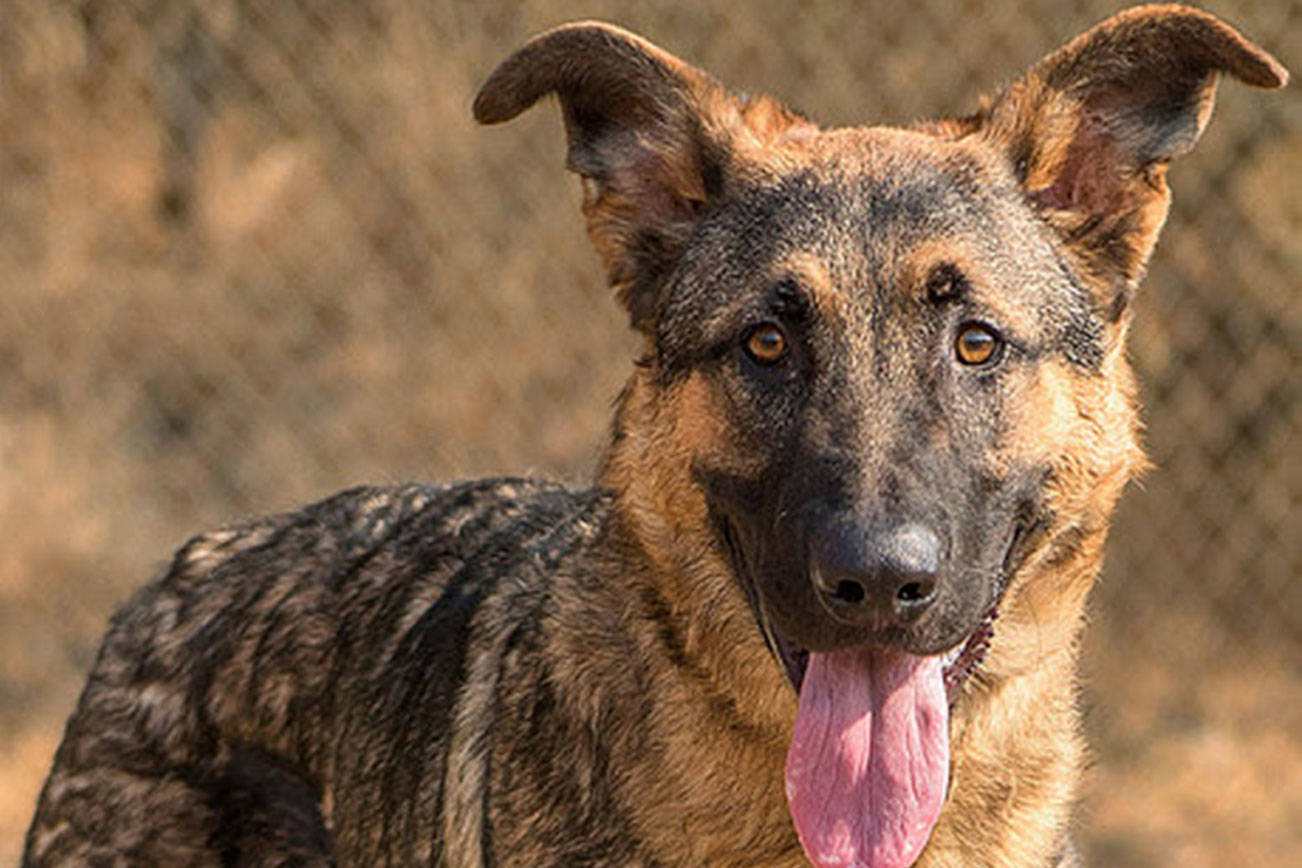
885	370
888	302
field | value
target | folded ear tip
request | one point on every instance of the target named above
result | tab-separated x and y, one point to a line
1258	68
543	63
1273	73
491	105
1239	56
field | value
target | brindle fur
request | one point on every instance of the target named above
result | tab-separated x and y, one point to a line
509	673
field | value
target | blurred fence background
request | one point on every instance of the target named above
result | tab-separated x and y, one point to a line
253	251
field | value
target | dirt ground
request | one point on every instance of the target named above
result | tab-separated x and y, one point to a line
254	252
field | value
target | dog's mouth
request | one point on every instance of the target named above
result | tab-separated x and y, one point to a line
957	664
867	769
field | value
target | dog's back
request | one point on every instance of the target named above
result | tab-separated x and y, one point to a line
302	656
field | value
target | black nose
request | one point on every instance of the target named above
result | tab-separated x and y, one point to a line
876	577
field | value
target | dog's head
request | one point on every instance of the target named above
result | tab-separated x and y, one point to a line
884	366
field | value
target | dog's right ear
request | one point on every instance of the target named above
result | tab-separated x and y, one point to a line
651	135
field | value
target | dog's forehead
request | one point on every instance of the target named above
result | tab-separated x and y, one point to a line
873	208
863	198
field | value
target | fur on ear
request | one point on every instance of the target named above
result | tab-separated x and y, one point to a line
1091	127
651	135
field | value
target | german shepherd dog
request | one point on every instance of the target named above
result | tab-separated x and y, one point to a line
824	599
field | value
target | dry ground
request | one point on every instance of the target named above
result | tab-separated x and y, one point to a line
252	252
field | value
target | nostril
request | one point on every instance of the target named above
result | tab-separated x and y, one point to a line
864	576
914	592
849	592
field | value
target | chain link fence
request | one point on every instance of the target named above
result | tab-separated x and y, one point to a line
252	251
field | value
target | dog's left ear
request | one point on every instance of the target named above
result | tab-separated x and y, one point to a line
653	137
1090	129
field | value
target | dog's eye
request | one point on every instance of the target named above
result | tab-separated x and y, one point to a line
766	344
978	344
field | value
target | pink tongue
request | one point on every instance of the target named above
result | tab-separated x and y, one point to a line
869	758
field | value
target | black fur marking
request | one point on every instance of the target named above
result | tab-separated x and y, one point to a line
1082	334
1119	305
653	255
713	171
1082	341
265	804
946	284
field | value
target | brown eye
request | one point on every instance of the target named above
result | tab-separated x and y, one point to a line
977	344
766	345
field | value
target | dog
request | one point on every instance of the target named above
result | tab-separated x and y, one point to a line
822	604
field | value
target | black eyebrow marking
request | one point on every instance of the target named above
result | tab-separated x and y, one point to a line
789	300
946	284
